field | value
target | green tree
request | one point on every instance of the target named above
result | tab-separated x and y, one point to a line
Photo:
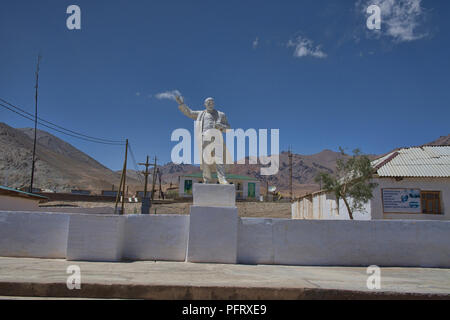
352	180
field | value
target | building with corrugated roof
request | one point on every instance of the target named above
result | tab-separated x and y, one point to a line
413	183
246	187
17	200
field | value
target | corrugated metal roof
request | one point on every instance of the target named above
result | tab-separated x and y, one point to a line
426	161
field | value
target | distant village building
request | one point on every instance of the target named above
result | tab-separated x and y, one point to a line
26	189
16	200
140	194
246	187
413	183
110	193
82	192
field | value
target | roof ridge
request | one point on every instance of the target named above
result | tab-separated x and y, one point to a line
388	159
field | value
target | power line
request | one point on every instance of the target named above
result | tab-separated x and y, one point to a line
69	134
135	164
62	128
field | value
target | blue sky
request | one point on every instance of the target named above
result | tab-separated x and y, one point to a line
310	68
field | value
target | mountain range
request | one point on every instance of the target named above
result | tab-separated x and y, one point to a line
61	167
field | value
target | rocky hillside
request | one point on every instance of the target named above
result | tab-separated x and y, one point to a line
59	166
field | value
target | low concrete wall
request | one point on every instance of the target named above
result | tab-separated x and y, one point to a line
345	243
156	237
33	235
95	237
255	241
396	243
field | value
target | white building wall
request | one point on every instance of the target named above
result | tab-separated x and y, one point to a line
425	184
9	203
325	207
244	184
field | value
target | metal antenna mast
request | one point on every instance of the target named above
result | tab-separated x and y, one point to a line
35	122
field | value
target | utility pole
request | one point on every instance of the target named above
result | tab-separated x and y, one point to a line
290	172
35	122
154	180
161	194
122	182
124	177
146	173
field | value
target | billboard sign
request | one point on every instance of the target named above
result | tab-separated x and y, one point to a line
401	200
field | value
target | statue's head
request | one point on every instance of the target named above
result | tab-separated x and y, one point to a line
209	104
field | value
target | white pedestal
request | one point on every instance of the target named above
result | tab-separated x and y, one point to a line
213	227
95	237
214	195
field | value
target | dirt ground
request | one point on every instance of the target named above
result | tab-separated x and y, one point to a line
245	209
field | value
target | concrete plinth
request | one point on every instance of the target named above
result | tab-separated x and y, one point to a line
214	195
213	227
213	235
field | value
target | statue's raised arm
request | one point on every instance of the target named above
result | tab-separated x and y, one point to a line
205	120
185	109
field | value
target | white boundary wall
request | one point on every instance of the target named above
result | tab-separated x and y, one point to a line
156	237
33	234
260	241
344	243
95	237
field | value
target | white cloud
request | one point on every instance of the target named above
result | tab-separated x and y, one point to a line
399	18
138	94
168	95
255	43
305	47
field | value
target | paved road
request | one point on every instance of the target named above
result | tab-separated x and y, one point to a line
179	280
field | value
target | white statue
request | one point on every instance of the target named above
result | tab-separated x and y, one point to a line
208	119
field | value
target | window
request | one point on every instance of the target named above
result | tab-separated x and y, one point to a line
188	186
431	202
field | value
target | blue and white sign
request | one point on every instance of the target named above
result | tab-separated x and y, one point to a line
401	200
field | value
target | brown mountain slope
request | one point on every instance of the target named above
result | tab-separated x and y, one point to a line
59	166
442	141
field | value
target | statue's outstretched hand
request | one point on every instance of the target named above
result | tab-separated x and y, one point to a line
179	99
